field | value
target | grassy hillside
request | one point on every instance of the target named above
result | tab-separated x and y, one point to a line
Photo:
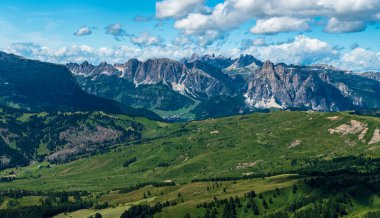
254	144
236	151
284	196
61	136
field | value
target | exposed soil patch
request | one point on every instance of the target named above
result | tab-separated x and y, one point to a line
375	137
333	118
248	164
67	170
353	128
362	134
295	143
214	132
350	143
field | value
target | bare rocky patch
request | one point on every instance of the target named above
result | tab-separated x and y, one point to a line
7	136
362	134
354	127
4	161
375	137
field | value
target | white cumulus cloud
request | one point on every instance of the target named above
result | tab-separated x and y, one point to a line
272	16
116	30
276	25
303	50
360	59
177	8
336	26
146	40
83	31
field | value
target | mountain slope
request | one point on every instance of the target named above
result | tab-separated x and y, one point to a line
157	84
313	88
283	156
256	144
61	136
40	86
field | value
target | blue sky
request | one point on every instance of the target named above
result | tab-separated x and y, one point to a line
344	33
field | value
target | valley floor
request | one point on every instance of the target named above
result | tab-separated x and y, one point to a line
303	163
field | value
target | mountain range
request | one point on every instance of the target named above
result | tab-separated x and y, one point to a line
40	86
192	88
213	86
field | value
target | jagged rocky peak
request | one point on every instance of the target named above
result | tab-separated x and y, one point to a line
87	69
103	64
260	84
85	63
129	68
268	65
194	57
246	60
217	61
132	61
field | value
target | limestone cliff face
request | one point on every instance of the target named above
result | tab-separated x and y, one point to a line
284	86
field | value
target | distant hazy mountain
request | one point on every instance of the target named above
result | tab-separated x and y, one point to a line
212	86
372	75
39	86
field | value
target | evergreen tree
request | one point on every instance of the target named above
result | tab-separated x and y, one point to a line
255	208
265	205
294	189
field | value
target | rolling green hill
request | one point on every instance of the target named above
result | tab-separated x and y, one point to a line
192	157
61	136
